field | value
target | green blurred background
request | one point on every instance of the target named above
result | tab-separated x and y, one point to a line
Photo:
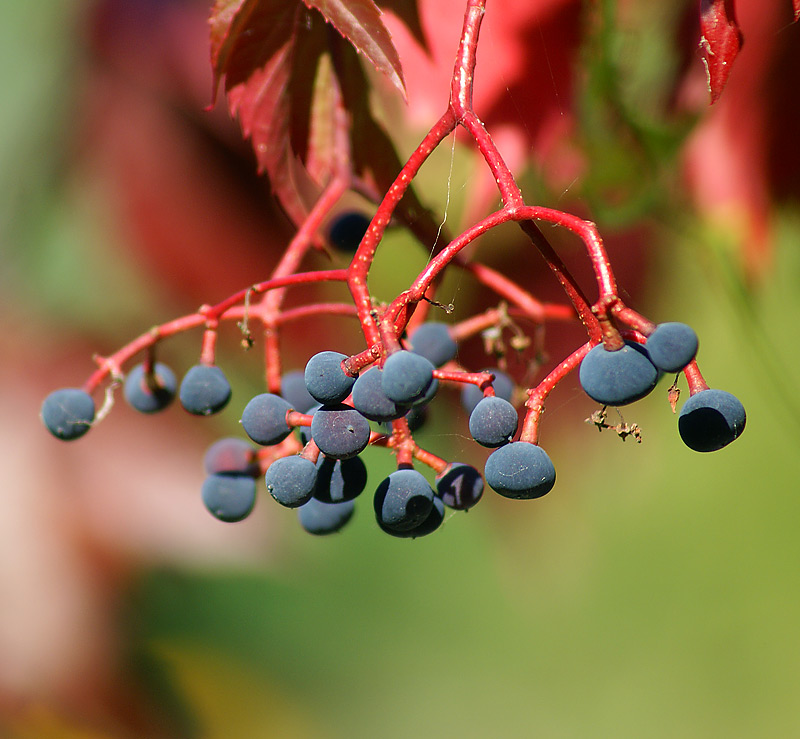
654	593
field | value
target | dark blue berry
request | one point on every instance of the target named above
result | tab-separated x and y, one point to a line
293	389
403	500
229	497
264	419
325	379
68	413
433	341
460	486
426	397
520	470
370	400
406	377
503	388
339	479
672	346
347	230
430	524
321	518
150	393
290	480
493	422
231	455
339	431
617	377
204	390
710	420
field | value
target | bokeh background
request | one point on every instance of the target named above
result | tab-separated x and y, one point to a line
655	592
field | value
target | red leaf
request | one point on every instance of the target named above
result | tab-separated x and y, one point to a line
720	41
329	148
246	34
284	74
263	105
359	21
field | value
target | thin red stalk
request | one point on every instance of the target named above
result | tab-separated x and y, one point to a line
112	363
364	256
506	184
209	345
437	464
481	379
298	313
315	310
583	229
207	316
300	278
694	378
633	319
290	261
537	395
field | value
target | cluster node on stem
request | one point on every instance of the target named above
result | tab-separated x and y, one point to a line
309	427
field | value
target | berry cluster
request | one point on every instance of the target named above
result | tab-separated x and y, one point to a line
307	431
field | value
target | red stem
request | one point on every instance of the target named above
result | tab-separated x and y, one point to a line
537	395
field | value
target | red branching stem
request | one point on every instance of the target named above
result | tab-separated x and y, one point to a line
295	419
300	278
207	316
506	184
537	395
466	57
586	230
482	379
631	335
694	378
472	326
403	443
353	365
267	455
461	102
633	319
299	313
290	261
310	451
315	310
437	464
500	317
364	256
208	348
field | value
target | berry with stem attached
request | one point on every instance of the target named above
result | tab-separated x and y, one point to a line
290	480
672	346
326	381
493	422
406	377
150	392
618	377
264	419
68	413
710	420
403	500
204	390
520	470
228	496
320	518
